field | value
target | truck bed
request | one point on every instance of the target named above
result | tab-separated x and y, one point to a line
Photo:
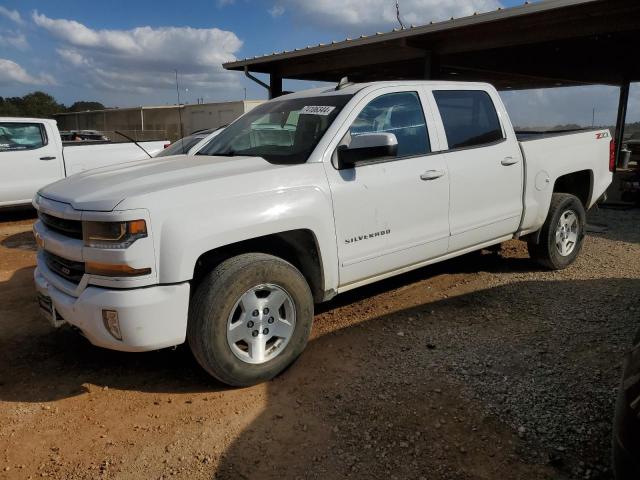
550	156
527	135
82	156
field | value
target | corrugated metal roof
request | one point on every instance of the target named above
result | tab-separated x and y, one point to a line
476	19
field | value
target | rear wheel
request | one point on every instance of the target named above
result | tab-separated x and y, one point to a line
250	318
562	234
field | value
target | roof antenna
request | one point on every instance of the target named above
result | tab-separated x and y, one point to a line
344	82
398	14
180	114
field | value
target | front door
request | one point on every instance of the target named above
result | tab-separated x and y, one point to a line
28	161
390	213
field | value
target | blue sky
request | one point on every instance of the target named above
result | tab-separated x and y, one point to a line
124	52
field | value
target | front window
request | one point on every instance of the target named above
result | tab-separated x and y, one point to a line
21	136
398	113
280	131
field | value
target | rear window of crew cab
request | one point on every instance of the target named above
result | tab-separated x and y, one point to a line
21	136
469	118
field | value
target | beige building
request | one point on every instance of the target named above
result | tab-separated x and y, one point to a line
153	123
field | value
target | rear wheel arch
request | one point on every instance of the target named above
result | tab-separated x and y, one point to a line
578	184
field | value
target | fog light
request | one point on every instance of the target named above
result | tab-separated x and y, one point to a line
111	323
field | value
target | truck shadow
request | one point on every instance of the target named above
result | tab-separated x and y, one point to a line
481	261
442	387
616	223
20	241
498	383
34	352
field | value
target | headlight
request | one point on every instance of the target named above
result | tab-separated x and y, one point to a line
113	234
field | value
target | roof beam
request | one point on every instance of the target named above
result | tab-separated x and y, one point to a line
353	60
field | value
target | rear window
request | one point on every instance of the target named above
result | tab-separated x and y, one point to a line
469	117
21	136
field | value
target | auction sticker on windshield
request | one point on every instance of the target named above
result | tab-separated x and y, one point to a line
317	110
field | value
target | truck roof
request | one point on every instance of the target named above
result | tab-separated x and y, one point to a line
26	120
353	88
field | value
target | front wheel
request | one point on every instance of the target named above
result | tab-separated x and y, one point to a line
250	318
562	234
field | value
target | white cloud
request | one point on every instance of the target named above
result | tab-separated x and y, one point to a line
276	11
144	58
367	15
12	15
13	39
224	3
12	73
73	57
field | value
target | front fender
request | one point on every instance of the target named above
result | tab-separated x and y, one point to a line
185	236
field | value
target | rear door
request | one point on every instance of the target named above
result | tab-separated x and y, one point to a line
28	161
390	213
484	163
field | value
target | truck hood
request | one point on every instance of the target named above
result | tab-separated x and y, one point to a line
103	189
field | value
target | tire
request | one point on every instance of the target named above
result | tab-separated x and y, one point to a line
626	425
218	300
546	252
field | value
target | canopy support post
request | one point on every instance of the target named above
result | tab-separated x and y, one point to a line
622	117
275	89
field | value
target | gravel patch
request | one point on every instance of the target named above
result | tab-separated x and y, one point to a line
542	350
479	368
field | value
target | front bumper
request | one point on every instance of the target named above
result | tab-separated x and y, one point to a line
150	318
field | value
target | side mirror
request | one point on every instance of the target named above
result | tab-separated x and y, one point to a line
367	146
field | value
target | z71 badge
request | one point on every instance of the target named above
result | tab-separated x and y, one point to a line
602	135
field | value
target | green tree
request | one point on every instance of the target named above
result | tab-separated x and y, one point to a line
83	106
9	107
40	104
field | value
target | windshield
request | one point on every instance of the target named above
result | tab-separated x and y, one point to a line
180	146
284	131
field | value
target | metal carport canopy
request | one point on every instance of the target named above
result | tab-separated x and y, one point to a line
544	44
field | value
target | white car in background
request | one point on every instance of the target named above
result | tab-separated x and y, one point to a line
32	155
191	144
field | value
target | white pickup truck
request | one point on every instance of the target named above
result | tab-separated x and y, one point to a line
306	196
32	155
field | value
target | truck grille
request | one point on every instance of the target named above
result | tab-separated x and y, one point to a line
67	269
69	228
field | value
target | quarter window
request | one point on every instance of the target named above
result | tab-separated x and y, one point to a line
400	114
469	117
21	136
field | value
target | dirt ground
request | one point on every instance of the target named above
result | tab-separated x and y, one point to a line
483	367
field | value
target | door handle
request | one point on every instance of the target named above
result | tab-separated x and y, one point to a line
47	158
432	174
506	161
